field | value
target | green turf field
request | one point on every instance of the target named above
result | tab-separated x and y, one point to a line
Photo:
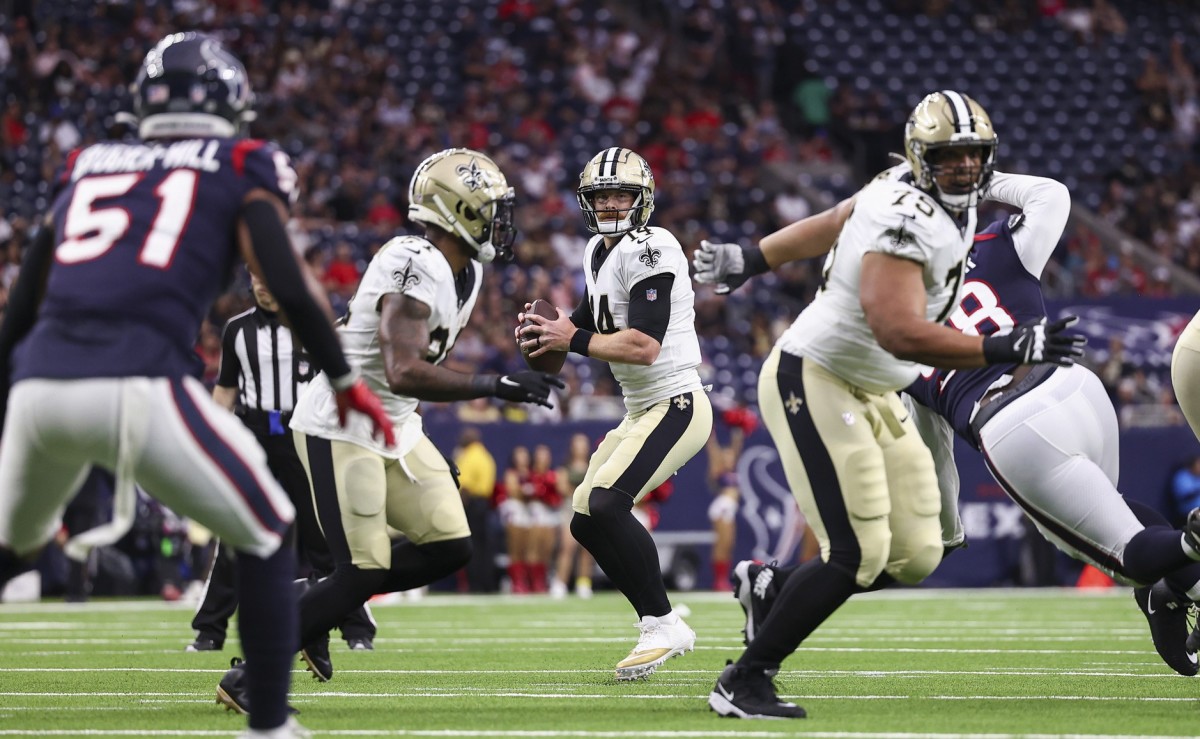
915	663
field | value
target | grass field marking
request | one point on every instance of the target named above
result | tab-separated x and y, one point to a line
982	599
492	693
785	673
582	734
591	734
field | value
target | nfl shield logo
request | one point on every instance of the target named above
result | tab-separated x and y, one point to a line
652	295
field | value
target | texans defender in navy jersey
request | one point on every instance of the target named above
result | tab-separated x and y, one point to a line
1048	434
100	327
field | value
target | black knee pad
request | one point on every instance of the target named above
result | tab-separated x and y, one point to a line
453	552
582	528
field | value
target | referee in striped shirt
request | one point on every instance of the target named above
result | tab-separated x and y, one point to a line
263	370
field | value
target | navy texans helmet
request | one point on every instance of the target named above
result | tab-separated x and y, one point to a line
189	85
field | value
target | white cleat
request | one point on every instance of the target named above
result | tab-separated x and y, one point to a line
662	638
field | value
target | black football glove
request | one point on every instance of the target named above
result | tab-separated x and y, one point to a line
1035	342
527	387
727	266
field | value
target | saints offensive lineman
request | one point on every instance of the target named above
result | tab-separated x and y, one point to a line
1025	420
414	298
638	315
852	456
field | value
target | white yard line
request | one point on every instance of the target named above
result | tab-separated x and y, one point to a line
733	734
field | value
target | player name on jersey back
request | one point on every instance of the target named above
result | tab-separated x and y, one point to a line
109	158
145	242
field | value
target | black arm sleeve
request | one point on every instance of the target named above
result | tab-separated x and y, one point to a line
273	249
582	315
23	301
649	315
231	368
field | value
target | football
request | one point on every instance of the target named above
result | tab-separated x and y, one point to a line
551	362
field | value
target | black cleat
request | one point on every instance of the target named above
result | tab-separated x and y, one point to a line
204	644
744	692
11	566
233	693
360	645
316	657
755	586
1168	617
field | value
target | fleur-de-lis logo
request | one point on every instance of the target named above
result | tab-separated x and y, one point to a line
900	235
681	402
650	256
793	403
406	278
472	176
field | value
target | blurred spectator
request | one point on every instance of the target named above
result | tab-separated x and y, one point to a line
477	481
342	273
513	496
723	481
544	517
1185	487
208	348
383	216
572	558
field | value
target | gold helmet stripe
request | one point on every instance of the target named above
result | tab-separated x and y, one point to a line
961	112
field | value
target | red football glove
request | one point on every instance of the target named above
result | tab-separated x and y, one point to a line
358	397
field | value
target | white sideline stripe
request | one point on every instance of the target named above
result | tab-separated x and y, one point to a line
522	734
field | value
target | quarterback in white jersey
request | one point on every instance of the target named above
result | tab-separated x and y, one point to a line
642	254
849	449
639	316
415	297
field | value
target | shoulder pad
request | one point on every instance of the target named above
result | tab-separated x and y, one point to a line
265	165
655	235
895	173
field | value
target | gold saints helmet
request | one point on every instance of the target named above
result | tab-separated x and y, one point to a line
464	193
944	119
617	169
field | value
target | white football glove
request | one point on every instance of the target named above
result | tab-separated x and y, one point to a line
722	264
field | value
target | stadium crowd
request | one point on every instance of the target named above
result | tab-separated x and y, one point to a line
743	131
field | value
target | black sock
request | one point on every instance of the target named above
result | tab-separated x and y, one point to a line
1153	553
807	599
325	604
11	566
624	549
267	622
415	565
